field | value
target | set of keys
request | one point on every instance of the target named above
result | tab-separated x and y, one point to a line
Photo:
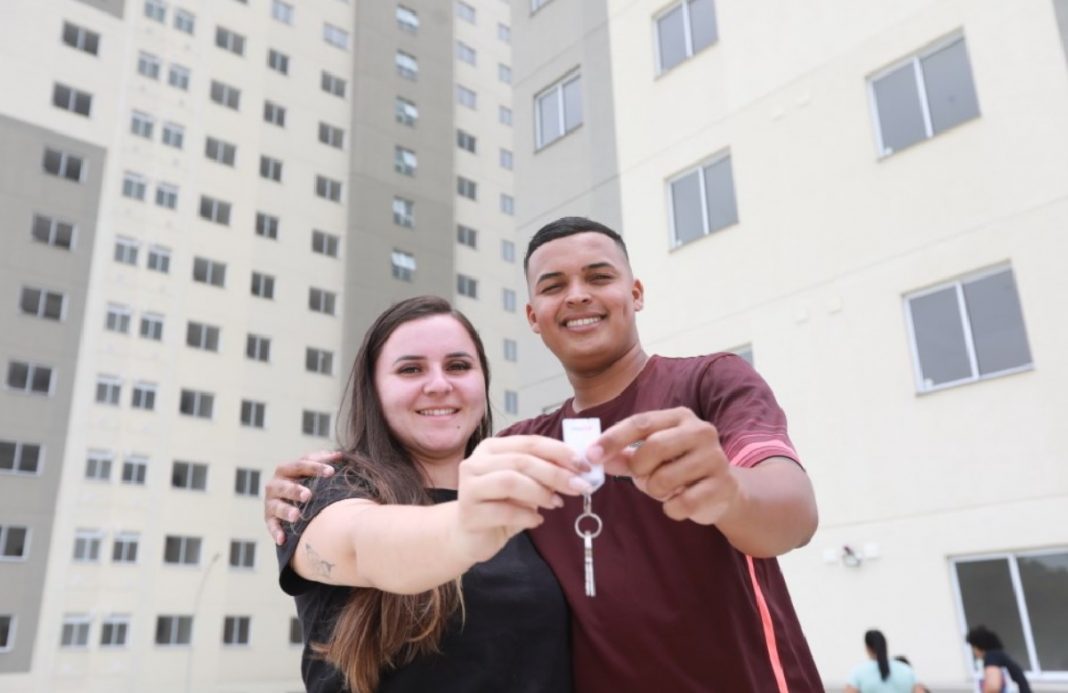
579	434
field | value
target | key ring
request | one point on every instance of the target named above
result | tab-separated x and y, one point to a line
593	534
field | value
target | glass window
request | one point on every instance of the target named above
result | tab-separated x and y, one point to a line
684	29
703	201
558	110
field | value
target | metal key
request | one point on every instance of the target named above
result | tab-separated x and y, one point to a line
587	541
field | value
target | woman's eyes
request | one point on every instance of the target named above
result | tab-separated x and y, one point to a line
458	366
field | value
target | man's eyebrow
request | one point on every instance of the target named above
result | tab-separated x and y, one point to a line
548	275
599	265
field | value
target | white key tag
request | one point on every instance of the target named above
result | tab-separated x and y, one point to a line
580	434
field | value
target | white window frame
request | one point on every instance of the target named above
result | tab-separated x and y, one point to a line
332	84
185	21
237	631
323	243
79	625
258	348
174	629
4	532
203	404
44	297
134	186
143	396
229	40
9	644
687	29
87	545
242	554
142	124
167	195
185	545
158	259
111	386
466	97
190	475
247	480
405	161
322	301
274	113
403	212
282	11
699	169
31	374
405	111
156	10
178	76
407	19
119	625
98	465
149	65
173	135
561	111
402	265
17	460
121	545
319	361
407	65
55	226
335	36
320	423
138	464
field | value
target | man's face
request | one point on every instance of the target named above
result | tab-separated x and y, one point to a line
582	300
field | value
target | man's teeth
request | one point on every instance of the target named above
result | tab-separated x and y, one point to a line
582	322
437	412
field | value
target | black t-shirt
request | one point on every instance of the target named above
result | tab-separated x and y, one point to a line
515	635
998	658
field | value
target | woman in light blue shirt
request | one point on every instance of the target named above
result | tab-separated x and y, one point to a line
880	674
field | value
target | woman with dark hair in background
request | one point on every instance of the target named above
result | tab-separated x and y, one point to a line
420	497
998	667
880	674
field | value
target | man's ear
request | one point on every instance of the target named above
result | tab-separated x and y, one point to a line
532	319
638	293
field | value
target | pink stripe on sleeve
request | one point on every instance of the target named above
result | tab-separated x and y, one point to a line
769	629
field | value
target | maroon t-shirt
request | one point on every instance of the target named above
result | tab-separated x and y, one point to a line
677	607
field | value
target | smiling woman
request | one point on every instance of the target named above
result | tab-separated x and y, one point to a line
419	498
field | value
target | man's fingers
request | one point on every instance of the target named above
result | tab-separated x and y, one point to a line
549	449
274	528
635	429
314	464
282	489
280	510
709	496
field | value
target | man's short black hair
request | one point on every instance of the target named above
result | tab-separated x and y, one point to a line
569	226
984	639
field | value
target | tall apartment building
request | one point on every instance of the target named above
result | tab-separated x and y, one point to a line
868	201
202	206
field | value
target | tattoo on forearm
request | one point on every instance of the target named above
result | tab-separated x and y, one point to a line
319	564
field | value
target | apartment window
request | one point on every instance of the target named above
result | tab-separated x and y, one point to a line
247	481
190	475
702	201
282	11
402	265
134	186
258	347
511	350
504	115
1022	597
465	235
684	29
465	53
144	396
967	330
124	548
178	77
63	165
222	152
201	336
209	272
196	403
274	114
315	423
332	136
270	168
155	10
466	286
159	259
558	110
465	187
71	99
407	19
278	61
253	415
511	402
148	65
167	195
403	212
114	631
318	361
508	300
52	232
266	225
321	301
75	631
406	112
182	550
465	12
41	304
225	95
215	210
87	545
335	36
536	5
504	73
325	243
174	630
229	40
404	161
262	285
7	632
173	135
507	250
507	204
466	97
328	188
296	632
20	458
13	542
98	465
242	554
152	326
505	158
81	38
504	33
108	389
332	84
407	65
29	377
142	124
185	21
466	141
134	470
236	630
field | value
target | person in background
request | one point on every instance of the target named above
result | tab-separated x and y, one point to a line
998	666
919	687
880	674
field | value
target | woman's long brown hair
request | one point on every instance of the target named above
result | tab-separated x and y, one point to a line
377	630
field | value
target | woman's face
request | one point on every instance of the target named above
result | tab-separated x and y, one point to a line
432	388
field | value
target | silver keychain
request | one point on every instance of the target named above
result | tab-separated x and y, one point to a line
580	434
